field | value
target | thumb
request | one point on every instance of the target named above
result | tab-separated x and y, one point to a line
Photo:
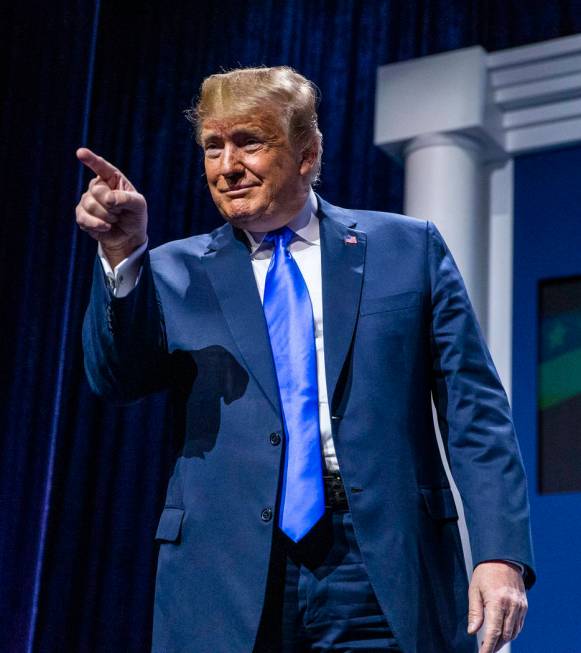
475	610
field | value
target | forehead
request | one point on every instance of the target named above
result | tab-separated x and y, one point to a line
267	124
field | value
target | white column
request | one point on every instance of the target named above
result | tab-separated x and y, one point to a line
499	323
444	183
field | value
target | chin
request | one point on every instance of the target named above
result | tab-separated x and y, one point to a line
243	216
237	220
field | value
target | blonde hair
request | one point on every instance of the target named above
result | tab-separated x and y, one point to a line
244	91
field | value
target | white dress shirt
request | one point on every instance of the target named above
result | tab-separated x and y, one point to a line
305	248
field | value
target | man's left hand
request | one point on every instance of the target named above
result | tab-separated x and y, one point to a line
496	597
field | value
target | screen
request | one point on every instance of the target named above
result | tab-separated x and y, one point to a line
559	388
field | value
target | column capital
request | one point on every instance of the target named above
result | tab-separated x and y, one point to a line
512	101
443	94
458	139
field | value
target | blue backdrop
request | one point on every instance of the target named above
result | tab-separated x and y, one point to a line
547	244
80	481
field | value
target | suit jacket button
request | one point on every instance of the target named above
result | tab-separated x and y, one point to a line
275	439
266	514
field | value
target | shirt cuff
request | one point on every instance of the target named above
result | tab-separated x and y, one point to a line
124	277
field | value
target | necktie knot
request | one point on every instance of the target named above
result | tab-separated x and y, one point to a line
281	236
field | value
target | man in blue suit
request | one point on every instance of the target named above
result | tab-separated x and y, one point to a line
308	509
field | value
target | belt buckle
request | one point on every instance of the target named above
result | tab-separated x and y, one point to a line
335	491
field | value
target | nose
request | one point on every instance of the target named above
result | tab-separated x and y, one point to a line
231	166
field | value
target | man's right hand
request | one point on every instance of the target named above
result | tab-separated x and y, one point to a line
111	210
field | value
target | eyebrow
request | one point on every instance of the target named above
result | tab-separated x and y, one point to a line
241	131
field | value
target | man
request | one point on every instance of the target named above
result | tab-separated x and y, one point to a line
309	508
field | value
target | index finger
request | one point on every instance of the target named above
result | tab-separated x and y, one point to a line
492	631
96	163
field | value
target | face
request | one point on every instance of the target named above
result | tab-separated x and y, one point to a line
257	179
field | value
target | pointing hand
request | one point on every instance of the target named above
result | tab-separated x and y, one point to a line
111	210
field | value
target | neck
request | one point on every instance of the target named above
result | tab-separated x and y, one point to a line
296	220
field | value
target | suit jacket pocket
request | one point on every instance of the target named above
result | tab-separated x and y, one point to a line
439	502
370	305
170	525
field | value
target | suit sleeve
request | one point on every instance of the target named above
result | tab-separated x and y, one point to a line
475	421
124	339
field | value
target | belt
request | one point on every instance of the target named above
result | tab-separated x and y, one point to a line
335	496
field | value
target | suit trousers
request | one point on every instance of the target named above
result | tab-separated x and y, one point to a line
319	597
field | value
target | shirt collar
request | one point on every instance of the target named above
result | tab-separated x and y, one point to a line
305	224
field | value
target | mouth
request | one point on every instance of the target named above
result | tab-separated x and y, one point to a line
235	191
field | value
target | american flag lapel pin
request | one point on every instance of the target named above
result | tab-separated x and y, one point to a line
350	240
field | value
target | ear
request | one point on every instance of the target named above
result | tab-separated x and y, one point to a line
308	160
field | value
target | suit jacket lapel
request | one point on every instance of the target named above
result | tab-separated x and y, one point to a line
342	262
229	268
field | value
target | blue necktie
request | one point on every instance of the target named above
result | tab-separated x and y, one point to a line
289	316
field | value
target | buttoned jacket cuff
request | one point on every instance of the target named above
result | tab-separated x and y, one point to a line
125	276
512	562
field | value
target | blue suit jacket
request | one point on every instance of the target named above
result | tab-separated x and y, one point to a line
398	327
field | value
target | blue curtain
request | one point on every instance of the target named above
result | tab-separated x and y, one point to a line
81	482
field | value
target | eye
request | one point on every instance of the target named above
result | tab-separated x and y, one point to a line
212	149
252	144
